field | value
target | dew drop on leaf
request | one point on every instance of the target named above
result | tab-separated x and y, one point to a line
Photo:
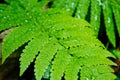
86	79
79	11
26	21
4	17
108	20
10	24
103	6
96	17
68	9
100	3
1	10
72	4
27	13
78	16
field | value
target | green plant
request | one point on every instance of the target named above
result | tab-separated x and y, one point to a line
92	10
57	42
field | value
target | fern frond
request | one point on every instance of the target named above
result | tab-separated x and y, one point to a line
44	58
25	4
95	15
57	39
92	11
84	51
17	38
103	74
13	16
32	49
116	11
72	70
82	9
59	65
109	21
90	61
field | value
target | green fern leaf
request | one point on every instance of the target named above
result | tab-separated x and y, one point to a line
92	10
68	5
71	72
82	9
109	22
88	73
32	50
18	38
13	15
95	15
60	64
43	60
116	11
27	4
63	43
84	51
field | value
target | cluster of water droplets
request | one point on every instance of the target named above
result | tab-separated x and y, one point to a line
96	17
70	6
101	4
109	20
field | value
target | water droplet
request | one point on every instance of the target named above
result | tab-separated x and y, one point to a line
95	28
26	21
10	24
78	11
103	6
93	78
27	13
108	20
100	3
4	17
96	17
1	10
86	79
72	4
78	16
68	9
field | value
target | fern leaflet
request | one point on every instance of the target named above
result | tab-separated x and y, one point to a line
69	74
32	51
58	63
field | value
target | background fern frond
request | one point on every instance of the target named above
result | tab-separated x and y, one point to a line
93	12
95	15
82	9
69	5
109	21
116	11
